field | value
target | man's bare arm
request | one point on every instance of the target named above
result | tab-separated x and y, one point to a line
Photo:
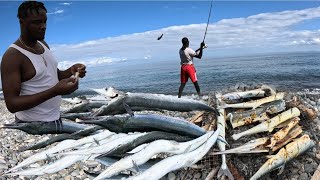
11	72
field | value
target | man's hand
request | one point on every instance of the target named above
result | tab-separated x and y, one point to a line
66	86
78	68
202	44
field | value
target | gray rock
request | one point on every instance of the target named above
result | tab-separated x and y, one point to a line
308	168
171	176
303	176
197	176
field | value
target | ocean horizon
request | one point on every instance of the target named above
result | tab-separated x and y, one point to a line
295	72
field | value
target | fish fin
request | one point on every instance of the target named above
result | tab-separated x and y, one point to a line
48	157
128	109
135	166
96	141
98	111
220	138
281	169
225	172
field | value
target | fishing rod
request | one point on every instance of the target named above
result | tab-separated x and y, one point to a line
205	33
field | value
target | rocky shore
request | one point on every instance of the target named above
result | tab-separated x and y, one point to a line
301	168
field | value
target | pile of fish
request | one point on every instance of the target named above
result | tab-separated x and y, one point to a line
111	132
263	110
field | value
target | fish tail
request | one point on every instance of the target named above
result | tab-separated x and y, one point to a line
226	172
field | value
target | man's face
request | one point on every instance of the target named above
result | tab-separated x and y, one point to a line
35	24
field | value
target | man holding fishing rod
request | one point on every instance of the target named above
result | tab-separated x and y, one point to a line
32	84
187	67
186	56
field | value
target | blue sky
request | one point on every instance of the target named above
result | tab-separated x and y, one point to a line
114	31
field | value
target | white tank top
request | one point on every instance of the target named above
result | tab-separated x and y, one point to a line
45	78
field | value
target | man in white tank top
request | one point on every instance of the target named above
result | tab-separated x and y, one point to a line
32	84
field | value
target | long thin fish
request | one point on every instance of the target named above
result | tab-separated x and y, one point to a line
105	147
77	135
178	161
159	146
40	128
270	124
286	154
153	101
149	137
224	170
148	122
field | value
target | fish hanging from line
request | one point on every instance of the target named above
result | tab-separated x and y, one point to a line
160	37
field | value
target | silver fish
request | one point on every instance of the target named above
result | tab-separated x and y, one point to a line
152	149
242	95
40	128
221	124
178	161
147	122
152	101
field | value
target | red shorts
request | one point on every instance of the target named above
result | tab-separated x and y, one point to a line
188	70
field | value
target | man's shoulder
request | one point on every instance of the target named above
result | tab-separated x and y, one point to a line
12	56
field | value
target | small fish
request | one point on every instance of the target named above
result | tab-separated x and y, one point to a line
255	103
243	95
270	124
286	154
278	136
160	37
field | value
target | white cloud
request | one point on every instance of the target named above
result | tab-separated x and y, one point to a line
254	34
65	4
56	12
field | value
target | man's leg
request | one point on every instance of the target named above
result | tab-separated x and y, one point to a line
181	89
196	85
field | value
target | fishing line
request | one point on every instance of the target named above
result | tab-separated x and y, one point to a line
205	33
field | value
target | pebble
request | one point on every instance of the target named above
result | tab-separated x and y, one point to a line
171	176
303	176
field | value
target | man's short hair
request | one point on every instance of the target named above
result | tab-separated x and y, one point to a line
185	41
29	6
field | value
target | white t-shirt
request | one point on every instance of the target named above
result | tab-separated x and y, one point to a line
187	55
